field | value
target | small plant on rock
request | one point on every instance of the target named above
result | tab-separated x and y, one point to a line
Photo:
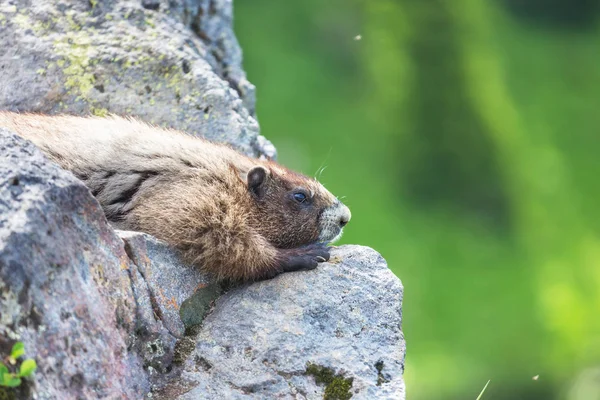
11	374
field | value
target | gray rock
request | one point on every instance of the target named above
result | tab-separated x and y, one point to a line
270	339
169	283
100	315
64	281
175	63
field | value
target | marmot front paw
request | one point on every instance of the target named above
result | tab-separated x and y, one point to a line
304	258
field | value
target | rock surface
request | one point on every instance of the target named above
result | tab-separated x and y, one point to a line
100	310
113	314
270	339
170	285
175	63
64	285
107	313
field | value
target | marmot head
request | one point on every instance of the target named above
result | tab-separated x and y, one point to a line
291	209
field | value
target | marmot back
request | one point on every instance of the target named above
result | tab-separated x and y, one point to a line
233	216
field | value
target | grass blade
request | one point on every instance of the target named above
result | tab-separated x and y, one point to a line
483	390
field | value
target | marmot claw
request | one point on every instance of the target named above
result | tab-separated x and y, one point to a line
305	257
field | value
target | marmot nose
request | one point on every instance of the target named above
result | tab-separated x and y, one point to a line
344	216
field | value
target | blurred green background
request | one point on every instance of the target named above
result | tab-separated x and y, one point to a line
465	138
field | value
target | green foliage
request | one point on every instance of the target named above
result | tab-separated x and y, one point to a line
27	367
9	380
464	138
17	351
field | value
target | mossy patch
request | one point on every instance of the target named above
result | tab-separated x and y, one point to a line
183	348
194	309
7	393
337	386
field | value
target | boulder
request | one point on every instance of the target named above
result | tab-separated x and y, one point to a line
64	282
331	333
174	63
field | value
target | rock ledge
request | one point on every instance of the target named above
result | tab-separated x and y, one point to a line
109	313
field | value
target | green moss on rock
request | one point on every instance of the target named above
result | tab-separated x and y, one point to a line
337	386
183	348
194	309
7	393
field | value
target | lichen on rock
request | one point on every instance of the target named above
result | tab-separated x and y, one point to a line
155	63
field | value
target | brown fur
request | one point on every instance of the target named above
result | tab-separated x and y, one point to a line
233	216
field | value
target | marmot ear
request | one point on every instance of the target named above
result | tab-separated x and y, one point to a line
257	176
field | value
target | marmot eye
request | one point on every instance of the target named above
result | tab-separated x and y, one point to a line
300	197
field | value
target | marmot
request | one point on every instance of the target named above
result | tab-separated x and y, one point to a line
235	217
